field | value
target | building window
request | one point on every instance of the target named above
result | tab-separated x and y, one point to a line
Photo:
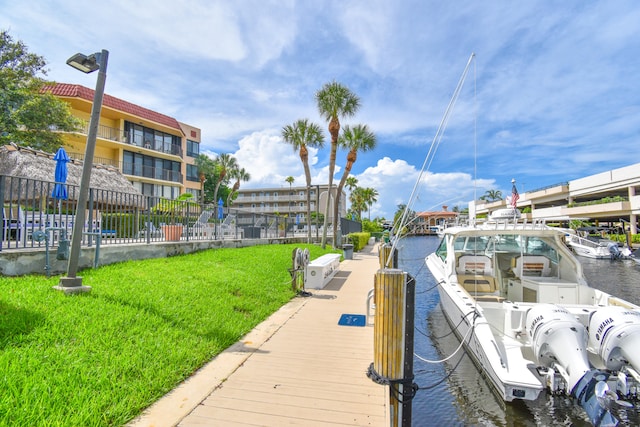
153	139
192	173
137	164
193	148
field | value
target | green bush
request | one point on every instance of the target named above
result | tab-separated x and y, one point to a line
621	238
358	240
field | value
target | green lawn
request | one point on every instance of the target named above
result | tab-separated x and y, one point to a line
100	358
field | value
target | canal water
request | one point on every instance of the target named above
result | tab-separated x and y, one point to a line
454	393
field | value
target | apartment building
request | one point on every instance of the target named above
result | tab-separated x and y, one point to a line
154	151
287	201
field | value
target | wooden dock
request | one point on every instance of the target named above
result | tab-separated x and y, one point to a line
299	367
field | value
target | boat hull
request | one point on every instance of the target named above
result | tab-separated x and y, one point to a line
491	354
508	390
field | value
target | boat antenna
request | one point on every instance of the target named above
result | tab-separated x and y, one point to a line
430	154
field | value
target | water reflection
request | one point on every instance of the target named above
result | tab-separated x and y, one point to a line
454	393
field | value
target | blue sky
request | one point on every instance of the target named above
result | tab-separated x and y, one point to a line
553	93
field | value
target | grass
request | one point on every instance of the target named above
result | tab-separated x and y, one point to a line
99	359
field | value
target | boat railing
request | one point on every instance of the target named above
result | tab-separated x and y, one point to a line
584	241
506	224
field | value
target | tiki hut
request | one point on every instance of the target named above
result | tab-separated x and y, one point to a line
28	176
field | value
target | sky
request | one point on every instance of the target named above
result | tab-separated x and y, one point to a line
552	92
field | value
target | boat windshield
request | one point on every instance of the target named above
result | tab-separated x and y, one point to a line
506	243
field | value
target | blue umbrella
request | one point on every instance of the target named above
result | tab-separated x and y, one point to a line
60	189
220	208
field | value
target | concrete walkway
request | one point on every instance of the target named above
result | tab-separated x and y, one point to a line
299	367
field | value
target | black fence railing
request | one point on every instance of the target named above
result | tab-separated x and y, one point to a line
32	218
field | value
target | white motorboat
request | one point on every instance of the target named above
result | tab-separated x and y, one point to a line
593	248
516	297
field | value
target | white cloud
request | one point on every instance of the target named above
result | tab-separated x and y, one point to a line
269	161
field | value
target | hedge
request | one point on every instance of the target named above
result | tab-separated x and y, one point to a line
358	240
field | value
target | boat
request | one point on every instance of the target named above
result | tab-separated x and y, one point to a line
517	299
591	246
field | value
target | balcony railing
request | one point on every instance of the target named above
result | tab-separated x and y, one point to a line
151	172
118	135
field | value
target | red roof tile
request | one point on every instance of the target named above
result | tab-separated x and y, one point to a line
77	91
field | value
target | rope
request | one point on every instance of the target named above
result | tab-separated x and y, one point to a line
409	389
457	349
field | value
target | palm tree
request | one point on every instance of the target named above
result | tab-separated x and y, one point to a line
492	195
370	197
206	170
351	183
239	174
357	201
334	101
358	138
224	163
290	180
301	135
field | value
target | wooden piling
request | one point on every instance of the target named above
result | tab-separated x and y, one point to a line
386	259
394	295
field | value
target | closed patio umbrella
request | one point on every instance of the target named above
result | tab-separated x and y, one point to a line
60	189
220	208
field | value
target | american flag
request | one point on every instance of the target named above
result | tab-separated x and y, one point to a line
514	196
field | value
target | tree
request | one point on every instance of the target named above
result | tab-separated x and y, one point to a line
370	197
224	163
206	171
334	101
358	138
301	135
239	174
351	183
492	195
357	199
290	180
411	214
28	113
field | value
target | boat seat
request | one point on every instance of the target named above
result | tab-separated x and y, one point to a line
531	265
475	284
475	264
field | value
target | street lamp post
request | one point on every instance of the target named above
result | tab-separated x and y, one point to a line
87	64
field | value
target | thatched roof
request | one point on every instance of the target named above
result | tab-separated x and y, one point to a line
38	165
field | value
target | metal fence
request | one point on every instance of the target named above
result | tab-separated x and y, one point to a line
33	218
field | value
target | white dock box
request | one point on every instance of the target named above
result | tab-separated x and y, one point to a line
321	270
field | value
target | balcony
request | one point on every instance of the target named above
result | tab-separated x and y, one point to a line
151	172
128	138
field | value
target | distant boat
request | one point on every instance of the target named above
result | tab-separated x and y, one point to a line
594	246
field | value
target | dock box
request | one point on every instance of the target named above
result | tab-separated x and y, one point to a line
321	270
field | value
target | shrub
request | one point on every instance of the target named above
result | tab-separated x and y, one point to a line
358	240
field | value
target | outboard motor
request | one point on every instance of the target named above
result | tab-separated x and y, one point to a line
558	339
614	251
595	398
614	335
